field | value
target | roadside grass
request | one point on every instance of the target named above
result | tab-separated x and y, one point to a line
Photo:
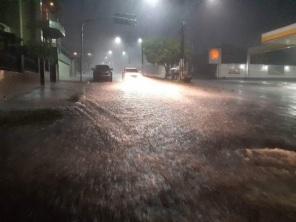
28	117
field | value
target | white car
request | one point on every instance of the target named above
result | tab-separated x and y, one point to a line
131	73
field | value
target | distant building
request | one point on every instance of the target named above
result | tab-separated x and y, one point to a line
275	58
278	47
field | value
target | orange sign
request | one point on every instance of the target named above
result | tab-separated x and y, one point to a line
215	56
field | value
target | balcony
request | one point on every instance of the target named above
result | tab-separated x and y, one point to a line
53	30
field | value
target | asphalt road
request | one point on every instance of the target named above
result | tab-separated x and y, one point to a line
150	150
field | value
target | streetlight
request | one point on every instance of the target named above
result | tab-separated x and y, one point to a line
152	3
75	53
287	69
122	20
117	40
110	52
212	1
89	54
123	53
140	41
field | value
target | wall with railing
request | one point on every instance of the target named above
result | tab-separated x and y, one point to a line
157	71
11	61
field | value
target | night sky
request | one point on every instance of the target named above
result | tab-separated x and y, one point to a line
209	23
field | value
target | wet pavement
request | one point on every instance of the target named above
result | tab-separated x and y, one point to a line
52	95
151	150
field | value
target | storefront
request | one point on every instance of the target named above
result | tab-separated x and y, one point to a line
276	57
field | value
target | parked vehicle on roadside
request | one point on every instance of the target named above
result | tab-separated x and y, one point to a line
175	74
102	73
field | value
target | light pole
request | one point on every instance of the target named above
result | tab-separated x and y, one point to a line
140	41
83	24
182	63
22	59
82	49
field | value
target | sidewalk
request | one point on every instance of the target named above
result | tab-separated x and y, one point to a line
52	95
13	83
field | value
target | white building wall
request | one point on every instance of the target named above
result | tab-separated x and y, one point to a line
65	65
256	71
157	71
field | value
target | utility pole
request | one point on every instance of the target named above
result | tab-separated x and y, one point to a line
142	51
21	34
182	62
82	50
83	23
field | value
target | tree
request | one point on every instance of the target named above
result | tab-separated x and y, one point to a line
166	52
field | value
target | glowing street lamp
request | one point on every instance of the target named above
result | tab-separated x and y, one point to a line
140	41
89	54
152	3
110	52
123	53
213	2
117	40
75	53
51	4
287	69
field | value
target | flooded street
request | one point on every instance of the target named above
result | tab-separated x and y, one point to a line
151	150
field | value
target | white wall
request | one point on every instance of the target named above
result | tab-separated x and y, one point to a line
256	71
65	65
154	70
64	71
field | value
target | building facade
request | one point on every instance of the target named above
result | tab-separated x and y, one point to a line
275	58
34	23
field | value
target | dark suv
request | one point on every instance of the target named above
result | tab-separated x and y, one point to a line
102	73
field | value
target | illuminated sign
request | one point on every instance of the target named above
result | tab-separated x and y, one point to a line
215	56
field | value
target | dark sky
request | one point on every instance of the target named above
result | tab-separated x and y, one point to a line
209	22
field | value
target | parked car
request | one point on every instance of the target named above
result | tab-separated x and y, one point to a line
131	73
102	73
175	74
